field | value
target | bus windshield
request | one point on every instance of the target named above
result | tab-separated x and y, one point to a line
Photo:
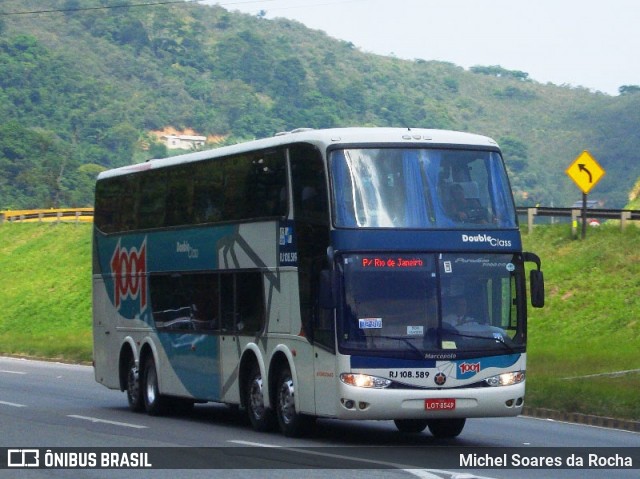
418	306
420	188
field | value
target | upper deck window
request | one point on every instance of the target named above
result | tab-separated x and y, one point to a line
245	187
420	188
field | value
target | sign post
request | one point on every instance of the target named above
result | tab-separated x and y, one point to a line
585	173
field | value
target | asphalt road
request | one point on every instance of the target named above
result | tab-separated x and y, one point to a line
52	405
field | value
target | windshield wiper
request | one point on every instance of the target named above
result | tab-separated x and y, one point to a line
473	336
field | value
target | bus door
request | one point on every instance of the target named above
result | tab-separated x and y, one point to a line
325	383
230	347
325	363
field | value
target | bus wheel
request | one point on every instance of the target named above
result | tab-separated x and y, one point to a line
444	428
261	418
154	402
134	393
411	426
292	423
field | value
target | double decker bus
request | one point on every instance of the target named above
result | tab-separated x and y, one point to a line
355	273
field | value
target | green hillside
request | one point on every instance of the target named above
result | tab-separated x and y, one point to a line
45	290
82	90
590	324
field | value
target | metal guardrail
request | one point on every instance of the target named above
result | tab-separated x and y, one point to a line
86	214
51	215
576	215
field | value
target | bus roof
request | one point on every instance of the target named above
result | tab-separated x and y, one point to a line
321	138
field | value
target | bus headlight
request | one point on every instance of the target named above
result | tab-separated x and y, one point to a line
506	379
364	381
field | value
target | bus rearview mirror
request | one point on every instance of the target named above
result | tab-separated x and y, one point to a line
536	280
537	288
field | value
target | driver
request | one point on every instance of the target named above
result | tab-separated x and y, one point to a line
458	206
460	319
459	313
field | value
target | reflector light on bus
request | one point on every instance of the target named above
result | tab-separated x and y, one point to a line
364	381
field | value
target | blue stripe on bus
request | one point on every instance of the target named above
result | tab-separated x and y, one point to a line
195	359
374	362
468	368
504	241
135	256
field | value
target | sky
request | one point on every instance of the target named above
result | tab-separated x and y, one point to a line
593	44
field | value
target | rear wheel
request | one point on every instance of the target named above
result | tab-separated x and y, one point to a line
444	428
134	392
291	422
154	402
411	426
261	418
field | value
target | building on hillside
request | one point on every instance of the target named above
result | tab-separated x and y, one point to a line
183	142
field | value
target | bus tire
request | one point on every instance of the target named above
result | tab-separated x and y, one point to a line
291	422
261	417
446	428
411	426
154	403
134	391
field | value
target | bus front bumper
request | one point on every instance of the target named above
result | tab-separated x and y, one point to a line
384	404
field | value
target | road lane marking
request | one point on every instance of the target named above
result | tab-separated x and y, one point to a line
11	372
579	424
421	473
104	421
12	404
612	374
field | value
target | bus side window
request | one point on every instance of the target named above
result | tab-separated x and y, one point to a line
206	301
311	212
309	185
179	207
128	217
242	303
249	303
208	192
108	194
267	183
152	200
227	303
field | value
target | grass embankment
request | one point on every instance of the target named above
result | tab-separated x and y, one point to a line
45	290
590	324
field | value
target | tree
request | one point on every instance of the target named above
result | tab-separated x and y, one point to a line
247	57
34	163
629	89
289	79
515	153
498	71
80	184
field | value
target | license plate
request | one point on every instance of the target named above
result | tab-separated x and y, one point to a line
439	404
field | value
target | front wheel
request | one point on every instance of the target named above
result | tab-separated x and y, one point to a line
446	428
411	426
291	422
